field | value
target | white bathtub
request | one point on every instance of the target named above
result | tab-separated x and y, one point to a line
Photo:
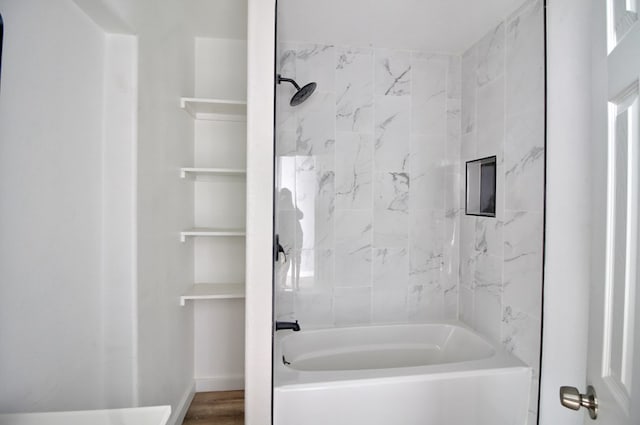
422	374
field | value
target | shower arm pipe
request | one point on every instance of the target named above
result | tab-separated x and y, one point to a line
288	80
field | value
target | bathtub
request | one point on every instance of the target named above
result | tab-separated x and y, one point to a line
413	374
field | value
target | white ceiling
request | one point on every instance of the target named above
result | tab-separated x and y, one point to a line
447	26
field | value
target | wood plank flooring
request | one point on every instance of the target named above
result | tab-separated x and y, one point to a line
216	408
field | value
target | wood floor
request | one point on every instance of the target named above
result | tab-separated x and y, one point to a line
216	408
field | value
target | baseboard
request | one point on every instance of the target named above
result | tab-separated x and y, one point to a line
220	383
181	409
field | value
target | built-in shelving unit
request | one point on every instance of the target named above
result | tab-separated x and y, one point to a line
213	291
215	109
209	109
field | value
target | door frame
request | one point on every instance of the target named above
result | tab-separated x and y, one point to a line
568	207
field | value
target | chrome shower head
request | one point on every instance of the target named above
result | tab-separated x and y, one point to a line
301	94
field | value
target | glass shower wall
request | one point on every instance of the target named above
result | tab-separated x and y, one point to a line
368	186
503	114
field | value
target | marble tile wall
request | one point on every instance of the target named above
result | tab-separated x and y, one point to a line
368	176
503	114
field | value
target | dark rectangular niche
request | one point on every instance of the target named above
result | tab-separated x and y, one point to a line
481	187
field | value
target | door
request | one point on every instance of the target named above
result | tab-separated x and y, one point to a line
614	336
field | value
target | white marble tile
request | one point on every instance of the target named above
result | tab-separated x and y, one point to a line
469	90
525	58
468	252
392	72
487	311
490	118
454	77
425	302
429	94
390	267
315	194
451	301
488	274
491	51
467	302
353	256
315	123
391	192
354	171
524	161
352	306
354	229
286	143
468	148
312	268
316	62
454	130
489	236
353	268
314	308
426	246
391	229
523	233
390	304
354	90
521	335
392	130
428	168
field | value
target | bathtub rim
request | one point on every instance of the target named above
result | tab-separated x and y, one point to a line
285	378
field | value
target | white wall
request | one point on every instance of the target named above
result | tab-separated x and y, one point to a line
164	205
51	100
568	228
259	265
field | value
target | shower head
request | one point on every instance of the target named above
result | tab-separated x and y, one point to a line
301	94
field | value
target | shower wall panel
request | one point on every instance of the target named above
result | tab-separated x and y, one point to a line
503	115
368	180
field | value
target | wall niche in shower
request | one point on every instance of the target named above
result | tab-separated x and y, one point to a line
481	187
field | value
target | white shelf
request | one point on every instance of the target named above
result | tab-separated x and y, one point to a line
184	172
213	291
211	232
215	109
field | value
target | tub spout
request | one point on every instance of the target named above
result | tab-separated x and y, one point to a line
294	326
